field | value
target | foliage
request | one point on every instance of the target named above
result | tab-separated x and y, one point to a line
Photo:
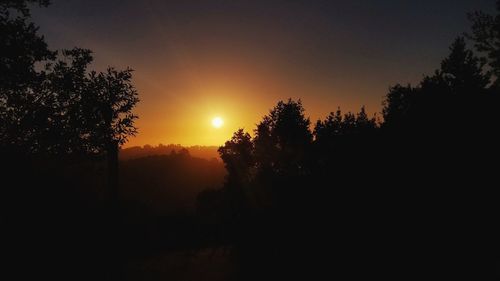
438	98
336	125
50	102
237	155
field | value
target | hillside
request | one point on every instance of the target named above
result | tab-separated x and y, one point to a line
166	184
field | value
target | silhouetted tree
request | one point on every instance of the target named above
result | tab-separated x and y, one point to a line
349	123
398	105
21	48
279	152
265	150
462	71
52	104
66	127
21	5
330	127
111	117
439	99
486	36
285	136
337	140
238	157
336	125
61	108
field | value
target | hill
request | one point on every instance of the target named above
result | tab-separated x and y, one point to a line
204	152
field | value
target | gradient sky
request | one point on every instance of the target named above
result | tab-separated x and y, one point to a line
195	60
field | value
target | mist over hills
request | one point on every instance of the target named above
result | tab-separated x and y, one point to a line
168	184
197	151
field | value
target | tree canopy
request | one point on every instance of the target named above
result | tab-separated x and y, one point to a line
50	101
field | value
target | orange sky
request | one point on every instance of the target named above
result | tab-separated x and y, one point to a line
182	110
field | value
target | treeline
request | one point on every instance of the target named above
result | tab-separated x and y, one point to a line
205	152
449	116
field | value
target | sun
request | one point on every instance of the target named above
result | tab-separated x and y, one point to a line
217	122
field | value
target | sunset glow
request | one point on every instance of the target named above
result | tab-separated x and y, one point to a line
196	61
217	122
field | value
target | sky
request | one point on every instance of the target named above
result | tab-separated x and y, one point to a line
195	60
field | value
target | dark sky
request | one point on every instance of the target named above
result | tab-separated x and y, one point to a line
198	59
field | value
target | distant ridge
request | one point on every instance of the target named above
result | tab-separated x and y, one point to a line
204	152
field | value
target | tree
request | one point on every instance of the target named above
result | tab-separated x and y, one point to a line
61	107
21	5
364	124
66	85
398	105
237	155
284	134
486	37
279	152
21	48
331	127
349	124
462	71
265	149
108	111
71	110
438	99
51	104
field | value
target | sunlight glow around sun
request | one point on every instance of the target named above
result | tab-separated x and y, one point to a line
217	122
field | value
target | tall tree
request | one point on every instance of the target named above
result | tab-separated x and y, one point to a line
486	36
462	71
238	157
441	98
287	137
51	103
109	114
